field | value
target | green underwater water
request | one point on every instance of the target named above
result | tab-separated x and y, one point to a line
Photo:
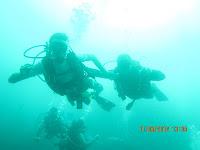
173	48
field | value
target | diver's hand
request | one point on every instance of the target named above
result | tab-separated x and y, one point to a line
15	77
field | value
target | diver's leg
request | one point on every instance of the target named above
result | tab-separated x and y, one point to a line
147	92
74	97
93	84
160	96
130	105
79	103
86	100
120	90
157	75
104	103
70	100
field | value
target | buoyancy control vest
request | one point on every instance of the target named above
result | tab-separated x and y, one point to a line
75	66
132	81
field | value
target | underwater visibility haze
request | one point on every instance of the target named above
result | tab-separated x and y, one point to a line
159	34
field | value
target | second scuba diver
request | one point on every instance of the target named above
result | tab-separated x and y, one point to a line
134	80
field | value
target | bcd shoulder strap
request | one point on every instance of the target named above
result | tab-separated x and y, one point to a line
49	75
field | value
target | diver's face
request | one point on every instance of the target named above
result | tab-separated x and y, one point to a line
123	63
59	54
59	50
123	67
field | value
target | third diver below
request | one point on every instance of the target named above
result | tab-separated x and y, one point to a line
134	80
75	138
52	125
65	73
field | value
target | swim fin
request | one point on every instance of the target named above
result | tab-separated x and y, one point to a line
79	103
130	105
160	96
70	100
104	103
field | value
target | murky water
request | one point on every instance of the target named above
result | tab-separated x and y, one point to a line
162	35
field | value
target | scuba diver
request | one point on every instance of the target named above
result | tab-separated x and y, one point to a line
75	138
134	81
66	75
52	126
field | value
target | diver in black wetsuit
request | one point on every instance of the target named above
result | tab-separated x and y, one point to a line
51	126
134	80
65	73
75	138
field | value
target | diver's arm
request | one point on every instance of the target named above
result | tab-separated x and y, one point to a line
94	59
120	90
157	75
96	73
153	75
26	71
101	73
